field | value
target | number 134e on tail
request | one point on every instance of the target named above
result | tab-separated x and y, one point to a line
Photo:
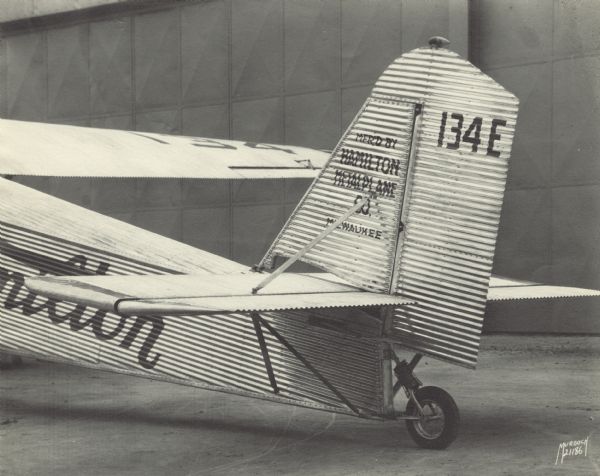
402	217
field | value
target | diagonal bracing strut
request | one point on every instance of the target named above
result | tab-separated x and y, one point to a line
264	349
301	252
307	364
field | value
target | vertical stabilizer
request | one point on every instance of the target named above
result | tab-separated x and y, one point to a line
431	147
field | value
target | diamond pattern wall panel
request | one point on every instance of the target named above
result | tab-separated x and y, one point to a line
576	116
524	248
576	27
257	48
160	193
208	229
113	195
531	161
204	193
122	122
423	19
164	222
26	79
260	120
312	45
247	192
204	52
68	76
157	78
313	120
110	66
512	31
576	235
254	226
3	68
166	122
371	38
352	100
206	121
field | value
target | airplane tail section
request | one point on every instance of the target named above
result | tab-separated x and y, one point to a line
42	237
430	150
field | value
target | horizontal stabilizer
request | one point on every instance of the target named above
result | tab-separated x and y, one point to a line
206	294
257	302
504	289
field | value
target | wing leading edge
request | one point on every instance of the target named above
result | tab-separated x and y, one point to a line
206	294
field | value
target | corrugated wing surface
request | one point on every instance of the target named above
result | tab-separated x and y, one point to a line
457	188
71	151
41	235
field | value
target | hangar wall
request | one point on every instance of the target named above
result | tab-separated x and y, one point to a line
281	71
18	9
548	54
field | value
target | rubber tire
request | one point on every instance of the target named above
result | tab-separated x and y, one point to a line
451	418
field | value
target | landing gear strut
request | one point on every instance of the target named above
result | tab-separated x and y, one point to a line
431	415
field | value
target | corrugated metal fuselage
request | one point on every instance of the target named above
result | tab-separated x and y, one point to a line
42	235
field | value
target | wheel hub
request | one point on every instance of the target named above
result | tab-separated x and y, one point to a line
431	423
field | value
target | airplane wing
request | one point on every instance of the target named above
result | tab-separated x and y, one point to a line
71	151
207	293
507	289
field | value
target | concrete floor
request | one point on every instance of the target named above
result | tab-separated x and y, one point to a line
528	395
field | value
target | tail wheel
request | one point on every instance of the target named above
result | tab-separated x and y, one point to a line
437	428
